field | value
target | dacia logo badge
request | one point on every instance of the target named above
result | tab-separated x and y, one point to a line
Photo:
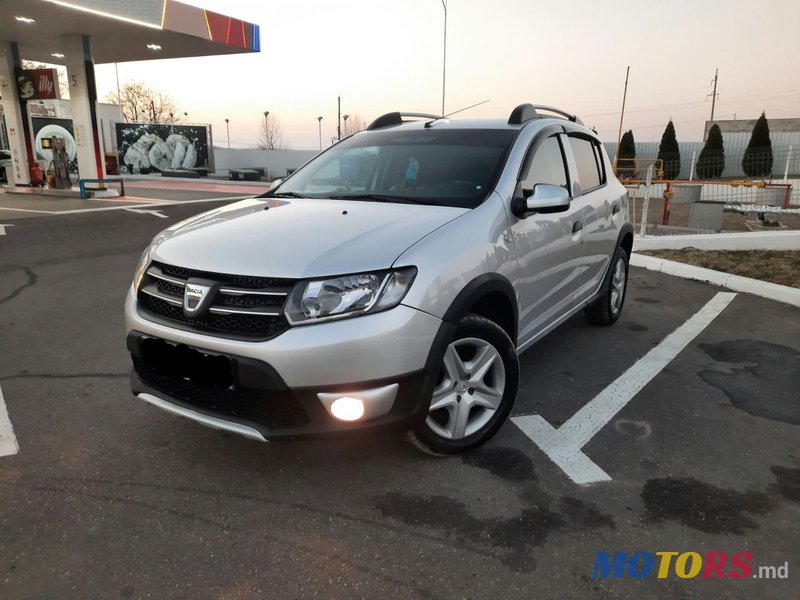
195	297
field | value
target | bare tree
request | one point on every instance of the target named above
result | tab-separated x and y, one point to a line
354	124
63	88
143	104
271	135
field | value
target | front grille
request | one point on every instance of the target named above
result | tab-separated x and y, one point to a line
274	410
244	306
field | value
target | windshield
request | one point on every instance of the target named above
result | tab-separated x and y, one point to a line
447	167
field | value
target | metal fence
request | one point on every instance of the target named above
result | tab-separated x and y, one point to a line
712	206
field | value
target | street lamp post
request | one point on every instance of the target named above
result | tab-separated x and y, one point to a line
228	128
319	120
266	130
444	53
345	117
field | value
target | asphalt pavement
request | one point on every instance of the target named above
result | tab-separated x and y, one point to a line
108	497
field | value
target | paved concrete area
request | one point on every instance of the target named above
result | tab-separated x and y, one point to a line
109	497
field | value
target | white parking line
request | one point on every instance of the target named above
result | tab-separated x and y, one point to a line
158	203
8	441
141	211
563	445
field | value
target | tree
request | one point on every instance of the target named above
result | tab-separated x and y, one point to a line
143	104
669	152
271	137
353	124
757	159
711	162
626	165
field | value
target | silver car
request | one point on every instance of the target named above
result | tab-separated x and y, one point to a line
388	284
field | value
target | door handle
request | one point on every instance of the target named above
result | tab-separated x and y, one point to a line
615	208
577	226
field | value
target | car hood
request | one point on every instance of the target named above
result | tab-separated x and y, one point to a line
298	238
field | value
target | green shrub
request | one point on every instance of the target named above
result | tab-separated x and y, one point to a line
757	160
668	152
711	162
626	165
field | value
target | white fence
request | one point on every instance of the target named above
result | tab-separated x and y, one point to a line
276	163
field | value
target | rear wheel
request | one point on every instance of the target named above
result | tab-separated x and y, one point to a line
608	307
475	388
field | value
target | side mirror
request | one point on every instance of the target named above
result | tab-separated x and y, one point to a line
275	184
546	198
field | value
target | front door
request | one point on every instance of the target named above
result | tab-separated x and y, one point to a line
548	245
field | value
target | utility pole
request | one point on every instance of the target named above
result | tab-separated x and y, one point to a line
714	94
319	121
621	115
444	54
339	117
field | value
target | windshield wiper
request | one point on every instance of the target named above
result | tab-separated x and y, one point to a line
282	195
384	198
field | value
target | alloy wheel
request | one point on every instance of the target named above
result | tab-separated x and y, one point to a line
469	390
618	286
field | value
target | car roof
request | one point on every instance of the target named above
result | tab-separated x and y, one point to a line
522	116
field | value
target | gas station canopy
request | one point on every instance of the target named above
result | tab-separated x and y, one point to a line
123	31
80	33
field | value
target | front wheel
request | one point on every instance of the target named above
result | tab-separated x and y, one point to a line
608	307
475	388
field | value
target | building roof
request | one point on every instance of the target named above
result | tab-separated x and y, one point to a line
746	125
122	31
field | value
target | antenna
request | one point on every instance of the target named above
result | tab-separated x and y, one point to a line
455	112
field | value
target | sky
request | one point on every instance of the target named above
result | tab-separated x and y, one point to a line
386	55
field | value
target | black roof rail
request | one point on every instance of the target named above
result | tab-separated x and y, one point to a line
528	112
396	118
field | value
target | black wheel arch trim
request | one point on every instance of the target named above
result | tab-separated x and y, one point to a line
625	230
478	288
472	293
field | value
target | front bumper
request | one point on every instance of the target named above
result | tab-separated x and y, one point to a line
279	388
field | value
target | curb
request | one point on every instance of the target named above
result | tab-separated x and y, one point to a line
772	240
737	283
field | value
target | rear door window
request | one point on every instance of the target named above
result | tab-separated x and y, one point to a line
591	175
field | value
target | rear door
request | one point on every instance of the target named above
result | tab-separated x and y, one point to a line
587	163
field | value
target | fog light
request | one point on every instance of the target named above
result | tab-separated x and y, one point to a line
347	409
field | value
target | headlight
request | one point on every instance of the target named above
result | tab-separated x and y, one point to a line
141	268
347	296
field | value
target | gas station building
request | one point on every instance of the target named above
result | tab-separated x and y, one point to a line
81	33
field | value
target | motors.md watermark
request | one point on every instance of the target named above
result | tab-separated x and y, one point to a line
685	565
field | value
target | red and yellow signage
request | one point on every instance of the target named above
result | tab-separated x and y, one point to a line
38	84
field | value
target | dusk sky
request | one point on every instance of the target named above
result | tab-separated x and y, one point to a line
387	55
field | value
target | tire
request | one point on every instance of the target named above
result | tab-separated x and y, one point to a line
608	307
475	389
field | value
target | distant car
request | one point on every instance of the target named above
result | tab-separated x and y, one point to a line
389	283
5	159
